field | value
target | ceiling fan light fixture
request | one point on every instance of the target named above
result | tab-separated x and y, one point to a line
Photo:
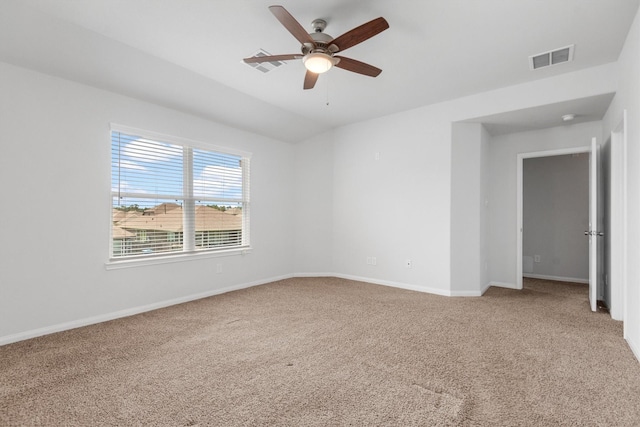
318	62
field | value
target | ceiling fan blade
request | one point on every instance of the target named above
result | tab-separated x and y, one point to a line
310	80
360	34
291	25
272	58
357	66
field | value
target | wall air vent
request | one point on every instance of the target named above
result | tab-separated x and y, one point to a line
554	57
264	67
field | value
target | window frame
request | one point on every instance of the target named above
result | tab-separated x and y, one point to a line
185	254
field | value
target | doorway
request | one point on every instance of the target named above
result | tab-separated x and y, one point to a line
520	199
555	216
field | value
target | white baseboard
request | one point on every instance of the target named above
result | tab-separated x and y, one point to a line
429	290
394	284
314	275
504	285
465	293
485	288
556	278
8	339
635	348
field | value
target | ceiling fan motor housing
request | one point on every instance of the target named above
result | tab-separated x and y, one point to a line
322	44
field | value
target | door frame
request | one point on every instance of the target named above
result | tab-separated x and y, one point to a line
519	199
618	220
596	225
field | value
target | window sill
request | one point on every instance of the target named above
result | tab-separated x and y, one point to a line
116	264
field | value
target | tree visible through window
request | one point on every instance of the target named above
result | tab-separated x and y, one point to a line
168	196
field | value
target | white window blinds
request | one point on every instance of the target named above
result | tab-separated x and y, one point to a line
170	197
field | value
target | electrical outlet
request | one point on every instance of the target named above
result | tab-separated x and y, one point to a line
536	258
218	268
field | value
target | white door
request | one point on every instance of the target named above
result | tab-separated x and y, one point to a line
594	265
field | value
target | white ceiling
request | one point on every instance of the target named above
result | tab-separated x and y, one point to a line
545	116
187	54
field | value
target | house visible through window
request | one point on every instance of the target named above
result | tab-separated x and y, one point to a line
169	196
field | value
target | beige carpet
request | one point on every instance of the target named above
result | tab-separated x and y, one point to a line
326	351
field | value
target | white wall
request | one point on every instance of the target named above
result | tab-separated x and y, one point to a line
399	207
485	160
469	148
503	151
628	98
55	170
313	206
555	215
393	207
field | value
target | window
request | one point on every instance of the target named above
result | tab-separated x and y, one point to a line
173	196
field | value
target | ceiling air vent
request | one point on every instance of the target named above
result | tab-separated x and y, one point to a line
264	67
554	57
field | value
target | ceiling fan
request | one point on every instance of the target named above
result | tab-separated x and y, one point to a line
319	49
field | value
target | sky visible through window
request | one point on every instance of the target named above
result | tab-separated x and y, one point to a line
147	173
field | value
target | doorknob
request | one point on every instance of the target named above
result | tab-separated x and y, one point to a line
600	233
